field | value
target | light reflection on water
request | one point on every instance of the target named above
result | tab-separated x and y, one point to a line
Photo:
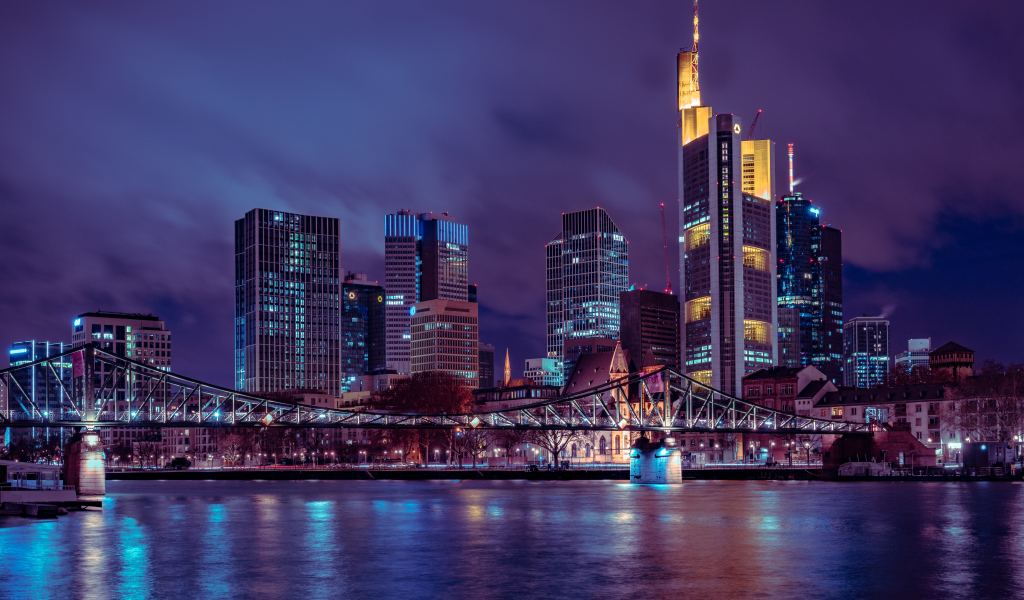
519	539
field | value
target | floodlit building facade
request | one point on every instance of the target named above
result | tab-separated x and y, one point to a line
445	339
287	304
728	262
426	257
866	352
727	240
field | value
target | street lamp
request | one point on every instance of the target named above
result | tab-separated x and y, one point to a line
807	445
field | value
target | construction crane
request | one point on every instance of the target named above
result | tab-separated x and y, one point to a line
664	236
750	132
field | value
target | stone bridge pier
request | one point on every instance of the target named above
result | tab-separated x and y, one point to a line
656	462
83	464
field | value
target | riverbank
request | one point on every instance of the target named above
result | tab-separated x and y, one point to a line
447	474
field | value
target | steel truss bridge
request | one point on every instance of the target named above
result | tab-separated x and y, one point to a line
113	391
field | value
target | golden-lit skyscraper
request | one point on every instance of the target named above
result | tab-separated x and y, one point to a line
759	168
726	238
693	116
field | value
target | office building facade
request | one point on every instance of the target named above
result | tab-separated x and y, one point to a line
865	352
795	219
39	388
916	354
362	328
426	257
287	303
486	361
827	335
142	338
543	371
728	261
445	339
810	288
650	328
587	267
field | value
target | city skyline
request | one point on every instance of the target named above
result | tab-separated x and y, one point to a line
536	159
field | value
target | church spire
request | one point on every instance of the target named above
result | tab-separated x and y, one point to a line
508	368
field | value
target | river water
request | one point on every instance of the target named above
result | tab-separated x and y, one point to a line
518	539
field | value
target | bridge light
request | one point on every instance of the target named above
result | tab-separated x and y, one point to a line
475	422
623	423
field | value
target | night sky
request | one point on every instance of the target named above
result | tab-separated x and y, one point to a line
132	135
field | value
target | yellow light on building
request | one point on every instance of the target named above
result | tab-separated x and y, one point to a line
704	377
755	331
698	309
694	122
755	258
698	235
758	160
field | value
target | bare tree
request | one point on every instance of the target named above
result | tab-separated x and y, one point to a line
555	441
508	439
230	447
423	393
988	406
147	453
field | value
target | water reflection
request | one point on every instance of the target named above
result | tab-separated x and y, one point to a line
520	539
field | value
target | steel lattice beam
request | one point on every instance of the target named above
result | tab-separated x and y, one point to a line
665	401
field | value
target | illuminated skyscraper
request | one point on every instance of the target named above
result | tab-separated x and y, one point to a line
362	329
795	220
827	336
865	351
726	235
426	257
810	288
287	305
587	269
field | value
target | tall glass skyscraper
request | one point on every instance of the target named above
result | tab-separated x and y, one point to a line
727	240
827	336
810	288
866	351
795	219
587	269
426	257
728	257
362	328
287	305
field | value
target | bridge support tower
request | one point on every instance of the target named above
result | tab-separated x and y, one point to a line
656	462
83	464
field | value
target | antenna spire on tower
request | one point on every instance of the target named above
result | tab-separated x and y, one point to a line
695	34
791	169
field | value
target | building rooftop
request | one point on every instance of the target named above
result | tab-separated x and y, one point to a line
811	389
773	373
951	347
884	395
120	315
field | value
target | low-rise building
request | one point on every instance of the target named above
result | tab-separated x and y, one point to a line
516	392
952	361
916	354
544	371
